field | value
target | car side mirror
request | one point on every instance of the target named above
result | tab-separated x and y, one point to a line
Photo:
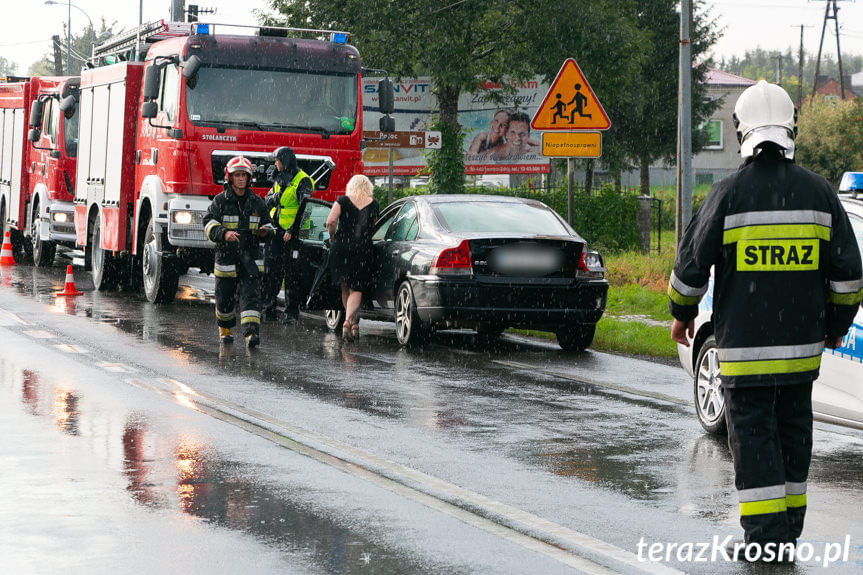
151	82
190	67
386	96
68	105
149	109
36	113
34	134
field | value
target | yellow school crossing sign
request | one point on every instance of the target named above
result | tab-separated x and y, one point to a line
570	104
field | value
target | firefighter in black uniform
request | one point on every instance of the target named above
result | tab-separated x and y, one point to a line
788	281
236	221
291	185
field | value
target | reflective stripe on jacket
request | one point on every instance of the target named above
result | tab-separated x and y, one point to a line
787	271
227	212
286	210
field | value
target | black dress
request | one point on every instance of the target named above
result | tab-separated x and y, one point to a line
351	255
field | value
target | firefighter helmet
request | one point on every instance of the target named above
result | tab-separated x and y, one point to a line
238	164
765	113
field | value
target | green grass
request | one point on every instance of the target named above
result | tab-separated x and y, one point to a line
635	300
627	337
633	338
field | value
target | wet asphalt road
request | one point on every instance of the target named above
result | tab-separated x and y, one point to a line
134	442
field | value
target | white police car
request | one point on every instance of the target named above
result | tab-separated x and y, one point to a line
837	395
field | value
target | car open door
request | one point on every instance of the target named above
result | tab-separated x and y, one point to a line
311	254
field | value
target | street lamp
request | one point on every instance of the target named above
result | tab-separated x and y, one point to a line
69	29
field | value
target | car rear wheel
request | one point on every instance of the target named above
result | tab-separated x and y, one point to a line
410	330
709	401
576	337
334	318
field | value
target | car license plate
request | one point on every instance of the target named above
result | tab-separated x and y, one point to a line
525	260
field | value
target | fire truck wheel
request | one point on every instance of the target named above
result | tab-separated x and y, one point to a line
43	251
103	266
160	278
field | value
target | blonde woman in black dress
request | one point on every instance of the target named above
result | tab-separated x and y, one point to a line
351	254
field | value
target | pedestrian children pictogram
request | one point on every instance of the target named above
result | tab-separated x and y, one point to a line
570	103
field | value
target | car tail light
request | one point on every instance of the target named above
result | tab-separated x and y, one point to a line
589	265
453	261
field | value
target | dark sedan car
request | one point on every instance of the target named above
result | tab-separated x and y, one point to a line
468	261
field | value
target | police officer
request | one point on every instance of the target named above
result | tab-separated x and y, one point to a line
235	220
788	281
290	186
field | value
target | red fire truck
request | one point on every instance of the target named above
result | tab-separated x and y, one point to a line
37	179
155	137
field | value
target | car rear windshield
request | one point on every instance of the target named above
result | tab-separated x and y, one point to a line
489	217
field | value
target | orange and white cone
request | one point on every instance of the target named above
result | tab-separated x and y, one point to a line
6	258
69	288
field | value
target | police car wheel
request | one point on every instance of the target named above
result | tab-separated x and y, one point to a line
709	401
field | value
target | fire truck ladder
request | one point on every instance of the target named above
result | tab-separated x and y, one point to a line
127	45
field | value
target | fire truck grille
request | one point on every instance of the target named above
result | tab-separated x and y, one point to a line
265	169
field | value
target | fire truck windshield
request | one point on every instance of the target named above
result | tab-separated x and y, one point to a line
276	100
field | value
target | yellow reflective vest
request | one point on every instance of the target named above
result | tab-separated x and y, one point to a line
288	204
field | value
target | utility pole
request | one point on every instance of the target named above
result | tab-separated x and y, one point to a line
684	124
800	69
178	10
835	17
778	59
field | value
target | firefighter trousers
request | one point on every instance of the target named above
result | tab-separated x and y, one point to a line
247	288
770	436
278	262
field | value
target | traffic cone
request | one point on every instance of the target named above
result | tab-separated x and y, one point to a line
69	288
6	258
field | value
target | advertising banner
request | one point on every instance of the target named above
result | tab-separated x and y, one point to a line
498	137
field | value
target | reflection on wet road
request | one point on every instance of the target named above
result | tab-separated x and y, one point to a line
474	415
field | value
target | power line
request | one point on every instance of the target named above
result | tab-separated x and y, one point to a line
23	43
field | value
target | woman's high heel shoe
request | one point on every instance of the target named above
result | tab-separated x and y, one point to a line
355	331
346	330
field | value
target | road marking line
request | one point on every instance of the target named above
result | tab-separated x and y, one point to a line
67	348
39	334
533	532
596	383
115	367
8	318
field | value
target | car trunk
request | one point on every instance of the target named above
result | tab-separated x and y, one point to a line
528	261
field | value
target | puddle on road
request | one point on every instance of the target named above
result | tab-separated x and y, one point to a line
178	472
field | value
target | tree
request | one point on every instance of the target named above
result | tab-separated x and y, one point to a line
830	137
463	43
647	130
82	47
7	67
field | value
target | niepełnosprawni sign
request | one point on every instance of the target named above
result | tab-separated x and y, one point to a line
498	136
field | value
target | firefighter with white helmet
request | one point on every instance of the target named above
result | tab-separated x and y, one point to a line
787	283
237	221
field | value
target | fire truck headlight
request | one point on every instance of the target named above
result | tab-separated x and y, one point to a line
60	217
184	218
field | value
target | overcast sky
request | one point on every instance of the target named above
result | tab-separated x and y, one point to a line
26	26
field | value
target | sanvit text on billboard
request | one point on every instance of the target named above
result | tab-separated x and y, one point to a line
498	136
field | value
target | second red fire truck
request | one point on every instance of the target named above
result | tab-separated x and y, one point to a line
155	136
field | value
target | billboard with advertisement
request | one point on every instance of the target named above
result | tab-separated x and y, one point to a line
498	138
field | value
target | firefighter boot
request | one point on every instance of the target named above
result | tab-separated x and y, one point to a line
252	340
225	335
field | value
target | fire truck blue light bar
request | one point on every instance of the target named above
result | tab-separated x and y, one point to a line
339	38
